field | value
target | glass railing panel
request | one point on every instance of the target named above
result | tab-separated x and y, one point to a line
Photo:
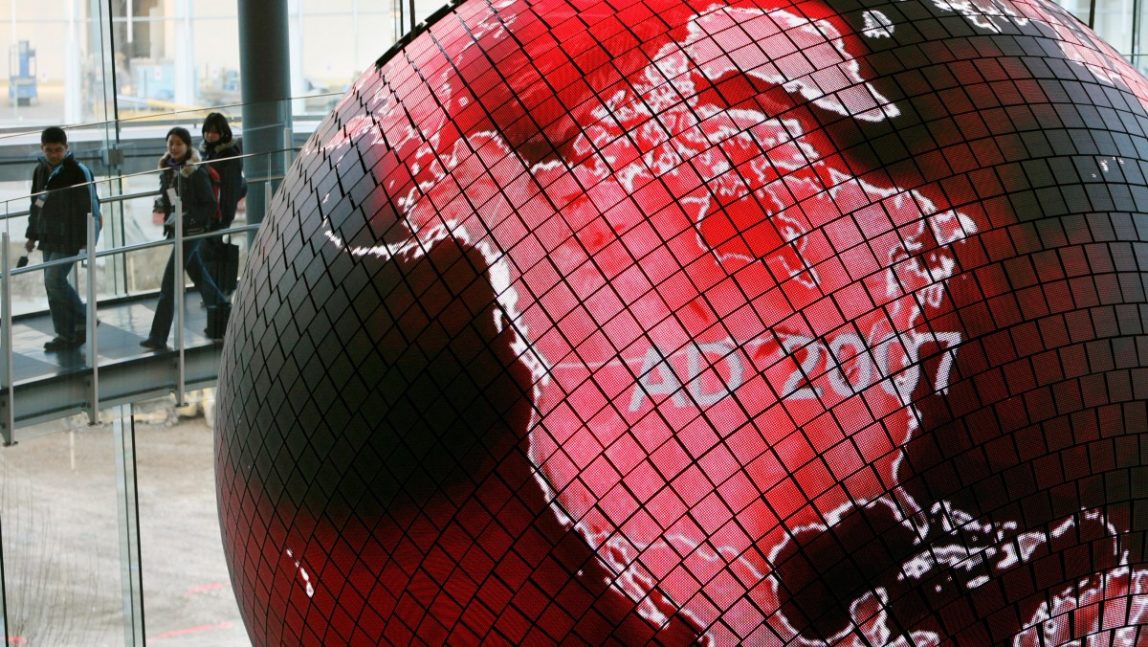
72	540
145	268
61	538
188	598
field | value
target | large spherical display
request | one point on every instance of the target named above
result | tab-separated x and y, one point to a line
724	322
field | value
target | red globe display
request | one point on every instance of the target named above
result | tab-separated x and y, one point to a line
777	323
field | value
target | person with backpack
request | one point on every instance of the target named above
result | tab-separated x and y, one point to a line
224	156
63	196
182	175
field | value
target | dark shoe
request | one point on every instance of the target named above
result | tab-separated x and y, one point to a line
64	343
153	344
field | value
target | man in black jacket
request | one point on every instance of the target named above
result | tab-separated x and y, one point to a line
63	196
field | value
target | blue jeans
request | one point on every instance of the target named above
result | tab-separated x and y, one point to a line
165	309
68	314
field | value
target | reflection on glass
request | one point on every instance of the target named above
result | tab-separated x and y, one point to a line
61	542
187	593
172	55
63	533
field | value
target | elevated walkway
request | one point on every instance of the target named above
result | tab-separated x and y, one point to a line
37	386
47	385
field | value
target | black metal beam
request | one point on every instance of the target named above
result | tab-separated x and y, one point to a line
265	78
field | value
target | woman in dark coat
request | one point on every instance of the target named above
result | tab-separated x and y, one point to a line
225	156
184	176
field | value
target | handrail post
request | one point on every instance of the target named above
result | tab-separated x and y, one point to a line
268	193
93	342
288	149
6	335
178	295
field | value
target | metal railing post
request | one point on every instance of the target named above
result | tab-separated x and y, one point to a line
178	295
288	147
6	337
1135	47
93	342
268	193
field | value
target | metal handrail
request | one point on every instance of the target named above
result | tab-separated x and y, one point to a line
134	247
160	118
111	199
121	198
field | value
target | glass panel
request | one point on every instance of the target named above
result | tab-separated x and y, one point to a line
62	531
1111	22
175	55
187	591
1141	25
61	536
424	8
54	73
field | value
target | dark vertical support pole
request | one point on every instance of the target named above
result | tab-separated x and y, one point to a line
264	67
400	17
1134	53
1092	14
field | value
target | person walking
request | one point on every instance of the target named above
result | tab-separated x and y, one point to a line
63	196
183	176
225	155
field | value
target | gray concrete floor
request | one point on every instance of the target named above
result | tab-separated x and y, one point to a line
60	525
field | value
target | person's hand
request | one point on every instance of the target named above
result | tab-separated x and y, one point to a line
29	244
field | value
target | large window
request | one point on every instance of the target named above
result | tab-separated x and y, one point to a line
109	70
170	55
1120	22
